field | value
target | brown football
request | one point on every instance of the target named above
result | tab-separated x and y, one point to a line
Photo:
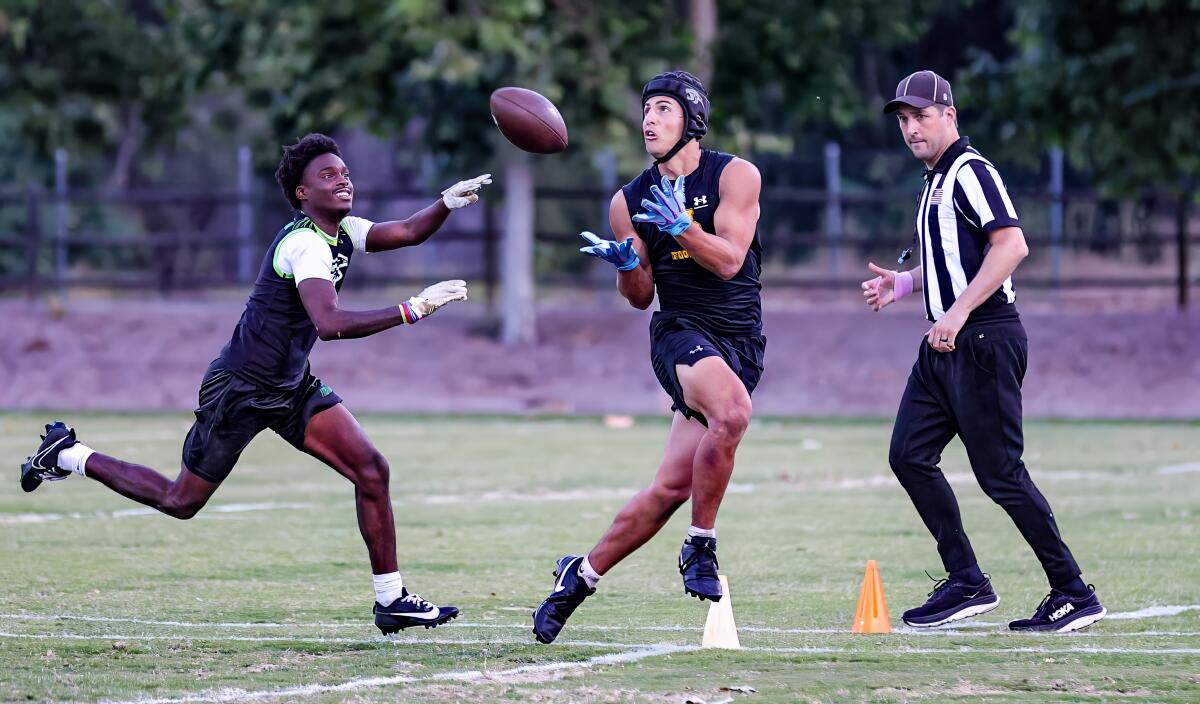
528	120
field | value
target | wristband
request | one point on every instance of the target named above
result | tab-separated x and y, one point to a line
903	285
410	316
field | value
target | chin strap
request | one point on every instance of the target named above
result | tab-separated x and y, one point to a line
674	150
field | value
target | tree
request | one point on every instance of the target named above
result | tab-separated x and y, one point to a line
1116	84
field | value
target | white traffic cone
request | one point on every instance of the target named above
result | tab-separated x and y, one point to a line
719	630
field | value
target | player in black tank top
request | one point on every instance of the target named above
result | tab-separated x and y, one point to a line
261	379
687	227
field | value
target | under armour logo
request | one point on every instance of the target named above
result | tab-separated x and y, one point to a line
698	349
699	201
692	95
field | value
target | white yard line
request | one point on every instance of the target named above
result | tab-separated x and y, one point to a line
419	640
1154	612
15	518
1185	468
1148	612
468	676
635	654
971	627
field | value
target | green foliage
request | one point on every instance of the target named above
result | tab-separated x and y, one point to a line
101	79
790	68
124	84
1116	84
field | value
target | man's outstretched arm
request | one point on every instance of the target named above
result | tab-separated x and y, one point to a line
418	227
333	323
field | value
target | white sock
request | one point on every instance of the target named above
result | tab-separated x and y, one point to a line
388	587
694	532
590	575
74	458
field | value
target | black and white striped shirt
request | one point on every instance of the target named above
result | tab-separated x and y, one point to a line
963	201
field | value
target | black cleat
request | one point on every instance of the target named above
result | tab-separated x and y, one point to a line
953	600
1059	613
42	466
569	591
411	610
698	565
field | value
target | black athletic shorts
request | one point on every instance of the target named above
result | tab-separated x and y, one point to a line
677	340
232	411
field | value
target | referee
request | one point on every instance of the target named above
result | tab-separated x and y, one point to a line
969	368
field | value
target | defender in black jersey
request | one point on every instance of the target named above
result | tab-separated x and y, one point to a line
261	379
687	227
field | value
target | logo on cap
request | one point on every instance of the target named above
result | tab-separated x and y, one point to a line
692	95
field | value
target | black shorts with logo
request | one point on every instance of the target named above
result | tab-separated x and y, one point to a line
232	411
679	340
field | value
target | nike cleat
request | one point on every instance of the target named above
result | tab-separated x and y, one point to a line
569	591
698	565
42	466
411	610
953	600
1059	613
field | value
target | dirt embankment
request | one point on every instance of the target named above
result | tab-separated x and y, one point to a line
150	355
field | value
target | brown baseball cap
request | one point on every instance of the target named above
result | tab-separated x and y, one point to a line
920	90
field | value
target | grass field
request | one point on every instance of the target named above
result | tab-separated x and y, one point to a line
266	594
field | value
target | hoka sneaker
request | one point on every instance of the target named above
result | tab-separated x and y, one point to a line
1059	613
953	600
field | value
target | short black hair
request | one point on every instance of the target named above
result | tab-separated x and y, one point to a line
296	158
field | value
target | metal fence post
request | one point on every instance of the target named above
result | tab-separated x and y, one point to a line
490	265
245	216
516	261
1184	242
833	204
33	237
1057	208
60	219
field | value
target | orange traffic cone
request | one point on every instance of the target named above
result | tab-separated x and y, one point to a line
871	616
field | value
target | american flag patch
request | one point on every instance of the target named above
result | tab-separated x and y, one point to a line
935	198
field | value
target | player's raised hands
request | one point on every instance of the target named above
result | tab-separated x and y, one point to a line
622	255
668	210
433	297
466	192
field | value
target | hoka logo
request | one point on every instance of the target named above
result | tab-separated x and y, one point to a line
1063	611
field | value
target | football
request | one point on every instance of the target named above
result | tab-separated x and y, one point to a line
528	120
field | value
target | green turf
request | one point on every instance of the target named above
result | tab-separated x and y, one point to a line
272	599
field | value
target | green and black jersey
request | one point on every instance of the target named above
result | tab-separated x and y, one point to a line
272	341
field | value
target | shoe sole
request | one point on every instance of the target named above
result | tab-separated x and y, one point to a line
389	629
702	597
964	614
28	481
1079	623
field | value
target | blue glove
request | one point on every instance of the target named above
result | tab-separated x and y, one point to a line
620	254
668	210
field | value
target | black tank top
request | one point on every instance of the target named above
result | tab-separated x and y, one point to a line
686	289
271	343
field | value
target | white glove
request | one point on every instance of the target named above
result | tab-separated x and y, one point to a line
464	193
436	296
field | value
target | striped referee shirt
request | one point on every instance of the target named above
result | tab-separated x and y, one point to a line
962	203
